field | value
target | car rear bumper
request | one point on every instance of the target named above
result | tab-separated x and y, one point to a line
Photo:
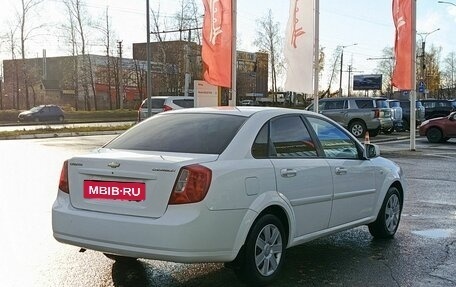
185	233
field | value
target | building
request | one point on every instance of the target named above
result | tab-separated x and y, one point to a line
94	82
252	68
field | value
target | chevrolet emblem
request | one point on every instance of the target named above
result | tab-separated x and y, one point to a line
114	164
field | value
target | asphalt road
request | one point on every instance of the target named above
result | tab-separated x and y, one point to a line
423	252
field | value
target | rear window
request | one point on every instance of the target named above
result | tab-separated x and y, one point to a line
381	104
156	104
186	133
394	104
364	104
185	103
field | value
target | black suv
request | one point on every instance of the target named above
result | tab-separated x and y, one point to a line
420	111
43	113
437	108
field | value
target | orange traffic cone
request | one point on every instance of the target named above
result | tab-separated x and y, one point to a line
366	138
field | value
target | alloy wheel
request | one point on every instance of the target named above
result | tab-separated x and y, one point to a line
268	250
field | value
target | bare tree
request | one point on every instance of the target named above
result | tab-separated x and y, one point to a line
27	7
385	67
449	71
268	40
78	13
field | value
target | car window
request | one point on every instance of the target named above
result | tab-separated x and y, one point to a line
335	142
382	104
185	103
290	138
156	103
364	104
260	147
186	133
394	104
334	105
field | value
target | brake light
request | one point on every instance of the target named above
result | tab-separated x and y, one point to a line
63	183
191	185
166	108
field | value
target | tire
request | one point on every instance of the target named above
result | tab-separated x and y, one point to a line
374	133
357	128
434	135
388	131
118	258
264	252
389	216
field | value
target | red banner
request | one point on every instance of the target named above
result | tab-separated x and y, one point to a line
402	17
217	39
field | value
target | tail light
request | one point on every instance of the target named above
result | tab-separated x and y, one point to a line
376	113
166	108
63	183
191	185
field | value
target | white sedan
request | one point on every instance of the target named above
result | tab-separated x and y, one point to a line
236	185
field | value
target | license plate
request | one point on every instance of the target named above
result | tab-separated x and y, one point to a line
114	190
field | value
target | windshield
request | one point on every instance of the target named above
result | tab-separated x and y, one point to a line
35	109
186	133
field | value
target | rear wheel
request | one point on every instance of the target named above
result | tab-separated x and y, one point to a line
119	258
389	216
264	252
434	135
357	128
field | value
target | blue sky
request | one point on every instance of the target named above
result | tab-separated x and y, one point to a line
366	22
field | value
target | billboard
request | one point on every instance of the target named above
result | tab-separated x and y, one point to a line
367	82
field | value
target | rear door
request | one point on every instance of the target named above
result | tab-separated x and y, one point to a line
336	110
302	177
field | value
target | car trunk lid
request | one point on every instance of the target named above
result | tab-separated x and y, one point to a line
127	182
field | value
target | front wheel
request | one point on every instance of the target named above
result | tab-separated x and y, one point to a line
264	252
389	216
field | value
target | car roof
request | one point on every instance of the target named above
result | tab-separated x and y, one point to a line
246	111
347	98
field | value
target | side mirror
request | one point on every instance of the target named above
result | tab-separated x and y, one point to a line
371	151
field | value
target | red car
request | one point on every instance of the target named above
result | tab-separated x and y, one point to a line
439	129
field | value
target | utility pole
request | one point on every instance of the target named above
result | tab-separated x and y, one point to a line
423	59
121	89
187	64
342	66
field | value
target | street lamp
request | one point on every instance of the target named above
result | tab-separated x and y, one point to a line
423	37
342	65
446	2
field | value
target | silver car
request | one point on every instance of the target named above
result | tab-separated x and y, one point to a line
163	104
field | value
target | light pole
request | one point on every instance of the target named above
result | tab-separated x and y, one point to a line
342	65
423	37
390	76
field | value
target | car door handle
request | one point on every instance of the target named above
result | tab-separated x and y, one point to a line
288	172
340	170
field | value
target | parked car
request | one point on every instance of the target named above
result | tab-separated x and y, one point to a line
358	115
163	104
177	187
386	115
437	108
247	103
419	112
397	114
42	113
439	129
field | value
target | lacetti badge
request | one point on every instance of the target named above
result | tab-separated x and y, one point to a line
131	191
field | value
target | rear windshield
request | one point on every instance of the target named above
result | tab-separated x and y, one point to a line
186	133
394	104
381	104
156	104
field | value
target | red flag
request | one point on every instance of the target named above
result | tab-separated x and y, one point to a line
217	39
402	16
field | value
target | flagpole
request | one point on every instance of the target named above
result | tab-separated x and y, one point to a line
232	102
317	52
413	74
